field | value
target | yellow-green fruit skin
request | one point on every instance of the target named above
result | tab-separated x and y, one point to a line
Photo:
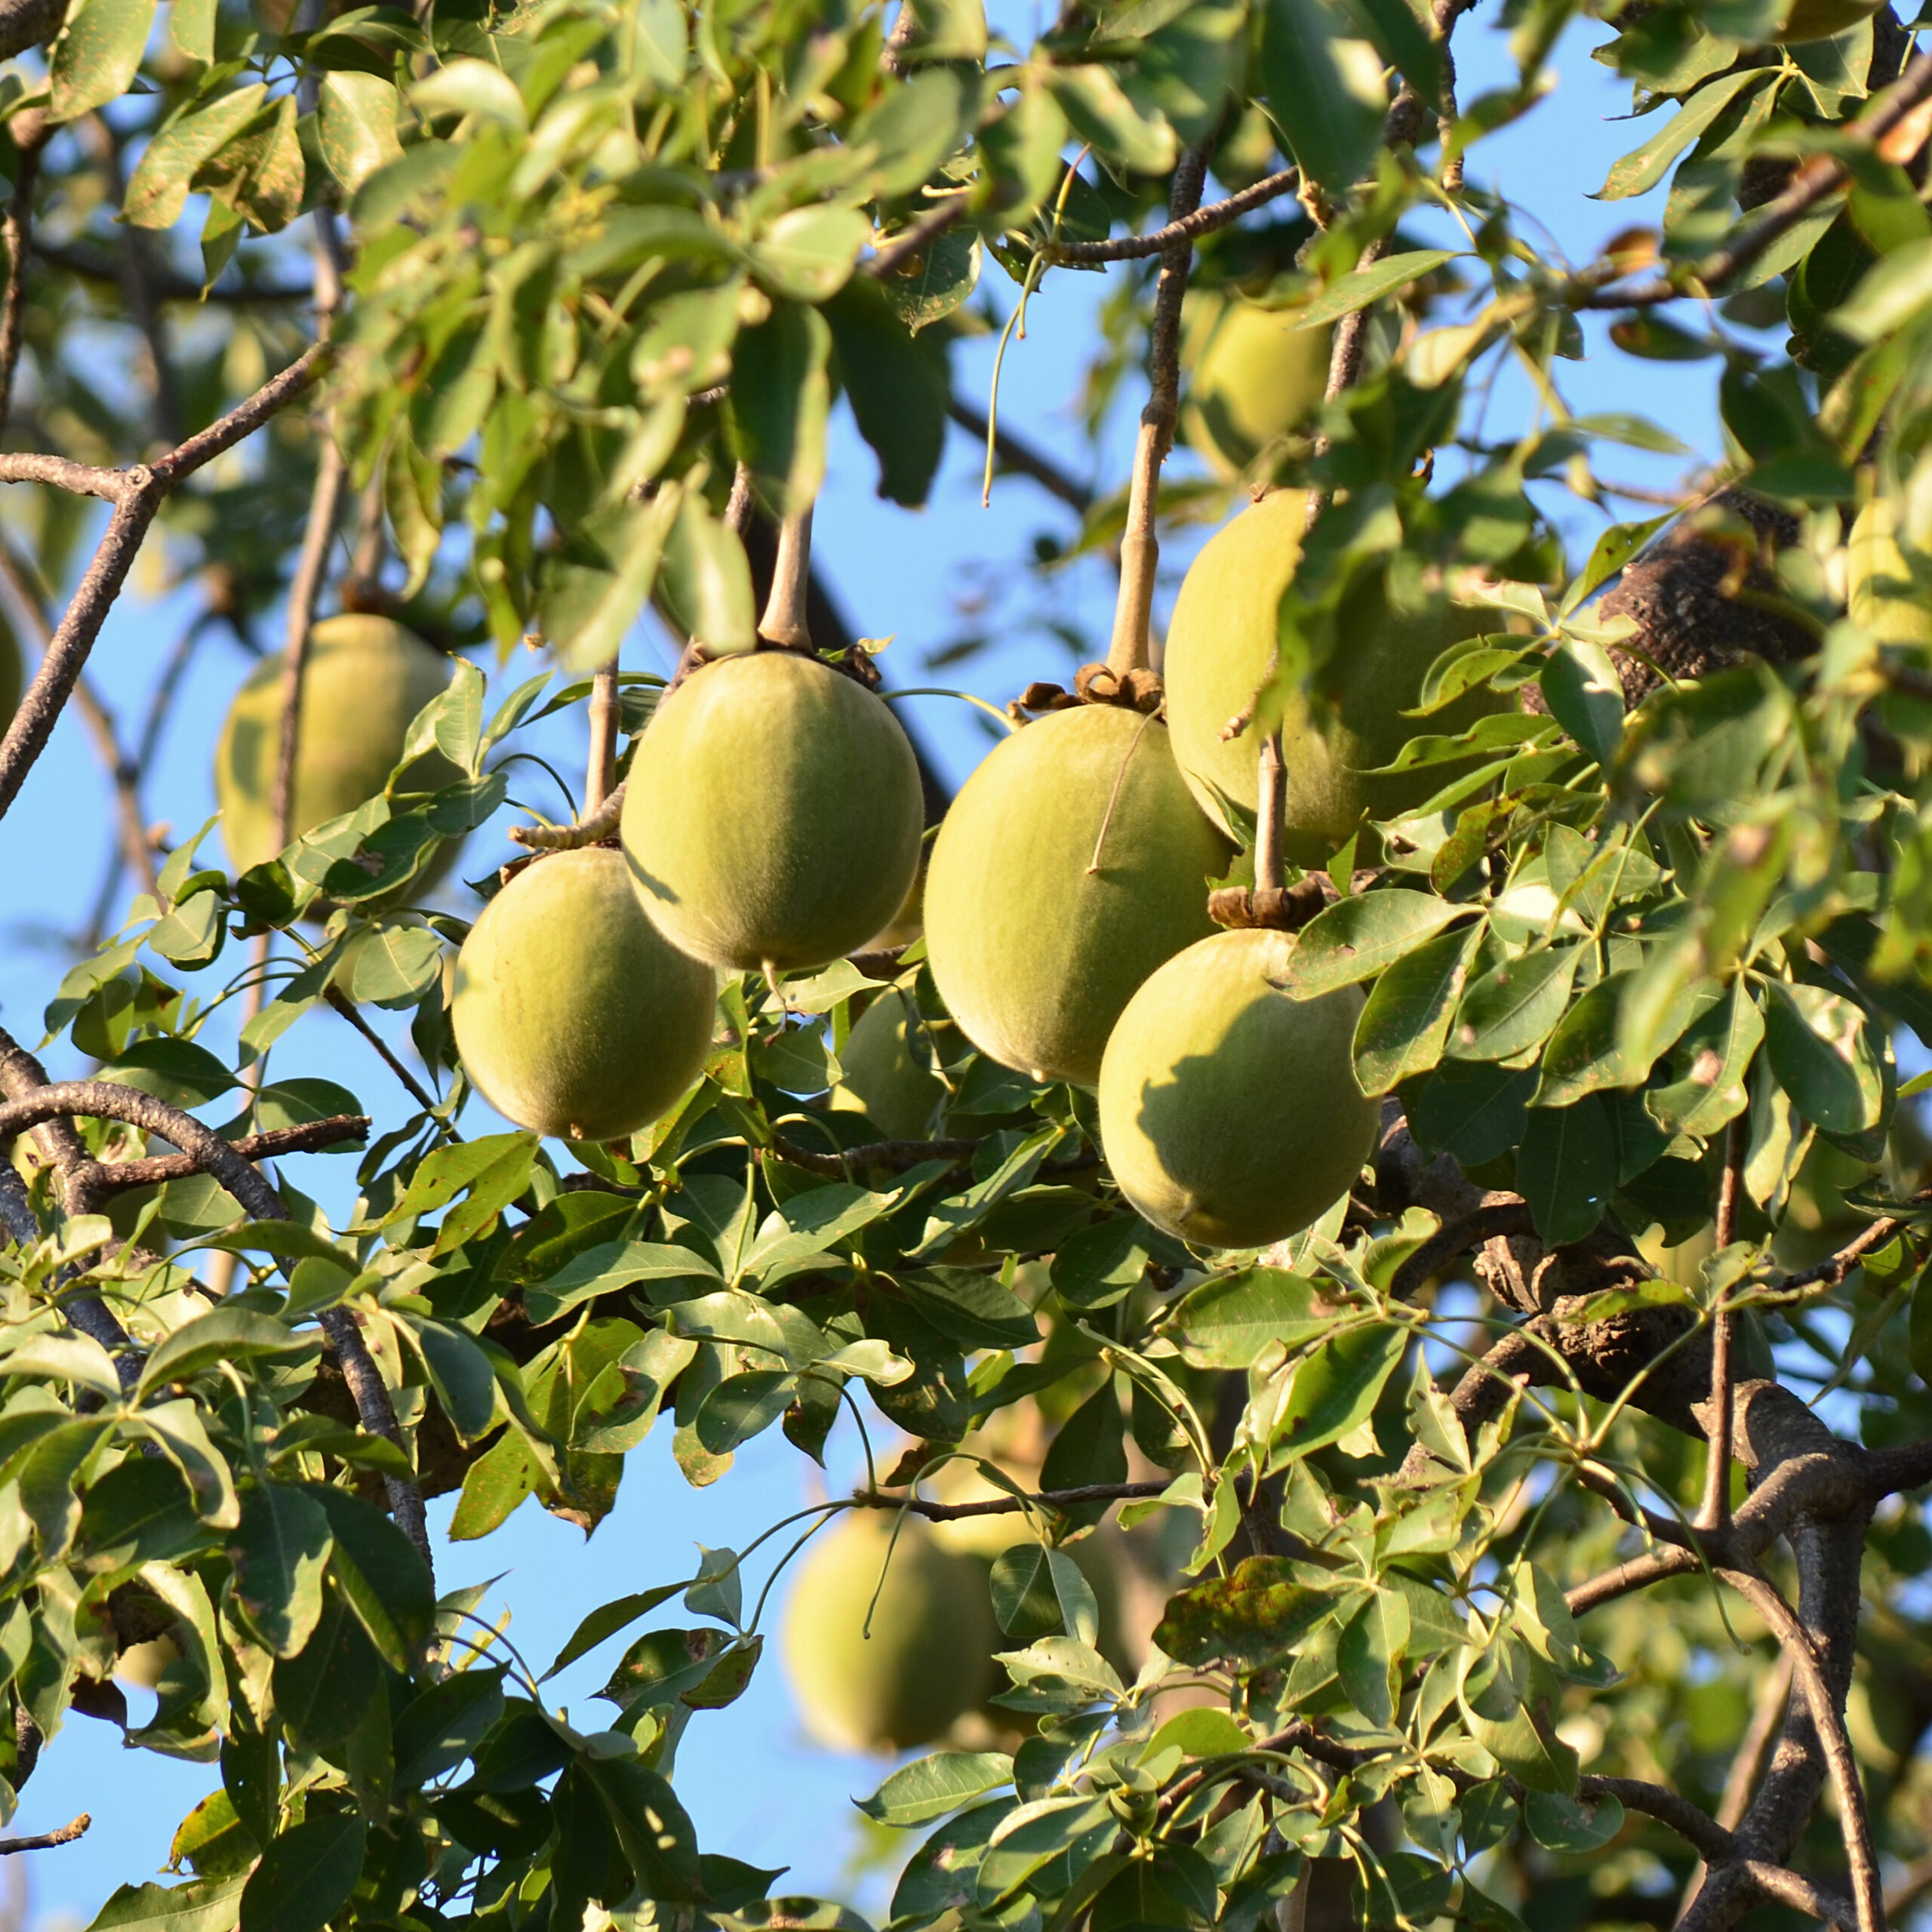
1820	19
929	1659
1230	1113
574	1016
888	1066
773	814
363	681
1221	645
1035	948
1251	378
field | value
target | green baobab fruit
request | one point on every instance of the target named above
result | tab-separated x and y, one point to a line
887	1065
573	1014
1230	1113
929	1658
1072	863
773	814
363	682
1221	647
1252	377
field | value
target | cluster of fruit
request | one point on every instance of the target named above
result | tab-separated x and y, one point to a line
774	820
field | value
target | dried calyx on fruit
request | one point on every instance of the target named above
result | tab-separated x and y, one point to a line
573	1014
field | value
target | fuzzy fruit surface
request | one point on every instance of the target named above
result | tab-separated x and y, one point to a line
929	1659
887	1065
1252	378
573	1014
1220	647
773	814
1820	19
363	682
1035	946
1229	1112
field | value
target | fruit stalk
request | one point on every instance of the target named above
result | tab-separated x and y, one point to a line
1140	548
1269	873
602	773
784	620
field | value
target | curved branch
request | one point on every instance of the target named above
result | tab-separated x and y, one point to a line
102	1100
118	1176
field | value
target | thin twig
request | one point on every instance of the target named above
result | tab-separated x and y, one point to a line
137	493
1854	1817
1139	545
589	830
1715	1511
47	1840
30	131
344	1005
117	1177
1187	228
1007	1505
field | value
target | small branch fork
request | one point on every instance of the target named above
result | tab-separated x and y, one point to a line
47	1840
1189	227
137	493
62	1102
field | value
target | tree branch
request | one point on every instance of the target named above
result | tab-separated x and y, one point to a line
29	132
47	1840
102	1100
1715	1511
119	1176
344	1005
1007	1505
915	240
1187	228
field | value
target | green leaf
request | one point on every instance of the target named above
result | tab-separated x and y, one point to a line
917	1793
1040	1592
806	254
779	396
1404	1026
95	59
1369	1652
707	579
1255	1617
1228	1321
1585	695
1642	169
743	1406
971	1308
607	1620
179	1072
1613	549
897	384
1471	1109
1324	90
1102	115
1090	1447
222	1334
1336	1387
191	27
651	1826
1357	938
1027	1838
1561	1823
1567	1168
280	1551
1825	1058
355	125
1357	289
1513	1007
202	1904
1583	1055
1714	1092
381	1574
395	966
177	1426
305	1876
462	1375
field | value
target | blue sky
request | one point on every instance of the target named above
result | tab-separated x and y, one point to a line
757	1791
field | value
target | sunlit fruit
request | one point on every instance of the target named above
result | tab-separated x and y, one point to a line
363	681
143	1665
1820	19
887	1063
1229	1112
773	814
1072	863
1252	377
573	1014
929	1658
1221	646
